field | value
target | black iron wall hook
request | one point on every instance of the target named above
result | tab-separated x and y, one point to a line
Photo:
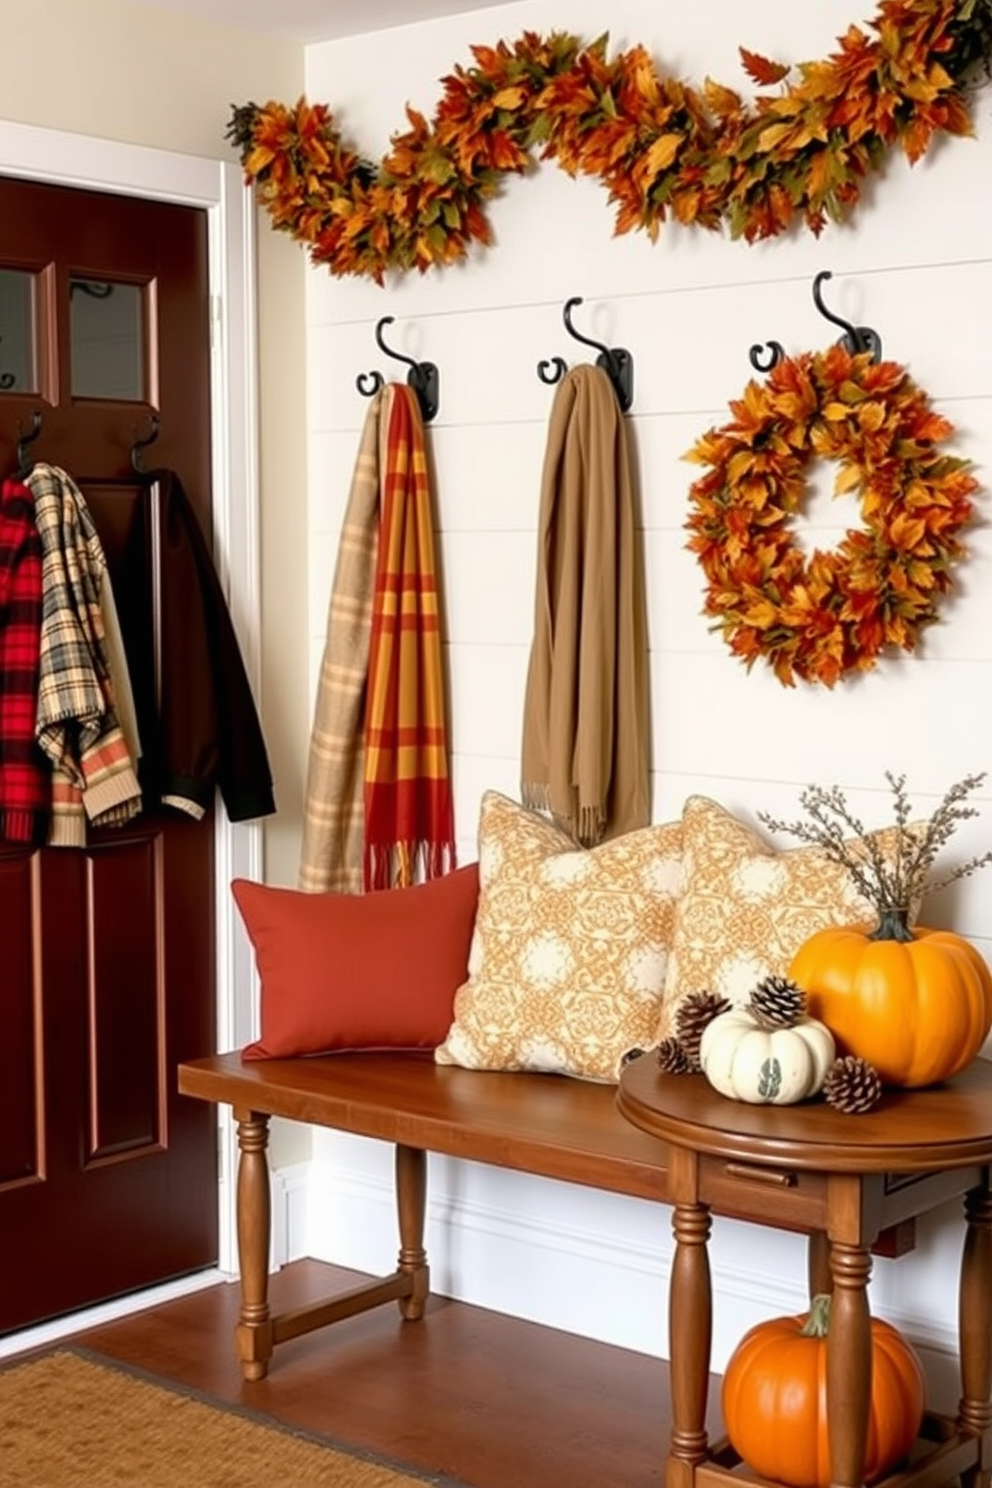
616	362
140	445
855	338
24	460
763	359
423	377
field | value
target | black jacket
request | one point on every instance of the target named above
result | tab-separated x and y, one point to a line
209	734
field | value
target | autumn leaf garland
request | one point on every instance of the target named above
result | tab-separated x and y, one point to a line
814	618
700	156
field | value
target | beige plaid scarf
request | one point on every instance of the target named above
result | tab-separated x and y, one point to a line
334	810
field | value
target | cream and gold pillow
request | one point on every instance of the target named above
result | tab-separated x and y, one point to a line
568	958
744	908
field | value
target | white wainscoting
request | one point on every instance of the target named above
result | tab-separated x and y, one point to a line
914	262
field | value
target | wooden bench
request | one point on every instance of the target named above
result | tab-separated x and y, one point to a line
547	1125
542	1124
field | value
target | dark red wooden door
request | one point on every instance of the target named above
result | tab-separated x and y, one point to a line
108	1179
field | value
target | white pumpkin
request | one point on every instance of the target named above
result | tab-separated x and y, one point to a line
775	1067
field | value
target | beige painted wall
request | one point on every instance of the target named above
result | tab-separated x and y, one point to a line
141	76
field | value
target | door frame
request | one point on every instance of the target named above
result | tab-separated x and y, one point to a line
218	187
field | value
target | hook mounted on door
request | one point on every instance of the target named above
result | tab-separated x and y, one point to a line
24	460
616	362
140	445
423	377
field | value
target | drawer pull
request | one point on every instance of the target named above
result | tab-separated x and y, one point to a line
761	1175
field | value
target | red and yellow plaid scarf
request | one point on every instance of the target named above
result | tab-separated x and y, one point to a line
409	820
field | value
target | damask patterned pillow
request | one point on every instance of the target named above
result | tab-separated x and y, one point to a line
745	908
568	956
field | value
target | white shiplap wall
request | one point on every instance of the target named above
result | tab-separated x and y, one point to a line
915	262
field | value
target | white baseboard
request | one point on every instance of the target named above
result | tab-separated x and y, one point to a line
595	1264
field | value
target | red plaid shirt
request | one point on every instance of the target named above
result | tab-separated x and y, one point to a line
25	789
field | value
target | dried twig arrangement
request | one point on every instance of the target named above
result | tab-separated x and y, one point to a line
892	882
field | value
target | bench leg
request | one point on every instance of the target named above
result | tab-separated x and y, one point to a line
411	1202
975	1332
254	1331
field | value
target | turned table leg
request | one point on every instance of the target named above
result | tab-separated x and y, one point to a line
975	1333
411	1200
254	1330
848	1364
690	1326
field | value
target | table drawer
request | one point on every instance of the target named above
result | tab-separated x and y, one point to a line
786	1197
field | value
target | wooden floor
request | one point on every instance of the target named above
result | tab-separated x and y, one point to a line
494	1402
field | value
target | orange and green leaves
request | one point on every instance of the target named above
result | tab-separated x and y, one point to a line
814	619
662	149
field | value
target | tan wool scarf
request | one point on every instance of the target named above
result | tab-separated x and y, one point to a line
334	810
586	747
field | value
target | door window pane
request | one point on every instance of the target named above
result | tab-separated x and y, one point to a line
106	325
18	355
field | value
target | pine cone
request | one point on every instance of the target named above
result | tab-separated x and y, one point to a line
691	1018
672	1058
777	1003
852	1085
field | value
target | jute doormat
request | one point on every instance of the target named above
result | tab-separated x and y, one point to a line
68	1420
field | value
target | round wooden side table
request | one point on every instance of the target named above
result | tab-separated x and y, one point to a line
842	1180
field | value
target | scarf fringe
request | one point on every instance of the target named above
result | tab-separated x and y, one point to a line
592	825
402	864
536	798
585	825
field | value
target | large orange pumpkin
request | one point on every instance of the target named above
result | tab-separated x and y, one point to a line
916	1004
775	1399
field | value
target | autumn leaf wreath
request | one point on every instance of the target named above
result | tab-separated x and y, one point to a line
817	617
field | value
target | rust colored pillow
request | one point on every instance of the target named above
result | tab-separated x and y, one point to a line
358	971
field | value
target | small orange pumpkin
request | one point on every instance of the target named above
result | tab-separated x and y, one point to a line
916	1004
775	1399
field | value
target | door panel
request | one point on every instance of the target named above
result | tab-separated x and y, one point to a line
19	1005
126	1002
107	1177
61	234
